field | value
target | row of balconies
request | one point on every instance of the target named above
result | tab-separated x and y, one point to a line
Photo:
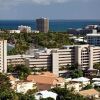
42	65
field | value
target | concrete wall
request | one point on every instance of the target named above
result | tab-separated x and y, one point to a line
55	63
3	56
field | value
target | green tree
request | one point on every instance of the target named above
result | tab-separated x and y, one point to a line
76	73
10	68
97	66
25	97
31	92
34	69
64	94
23	41
6	93
89	86
22	71
73	67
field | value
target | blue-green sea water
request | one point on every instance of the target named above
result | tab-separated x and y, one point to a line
55	25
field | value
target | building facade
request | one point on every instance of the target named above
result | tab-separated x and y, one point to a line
42	25
93	38
25	29
57	60
17	59
3	56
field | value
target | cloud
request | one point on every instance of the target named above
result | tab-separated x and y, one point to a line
4	3
48	1
56	1
31	1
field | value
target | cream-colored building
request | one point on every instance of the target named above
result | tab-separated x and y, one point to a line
74	86
3	56
56	59
17	59
20	86
24	86
77	83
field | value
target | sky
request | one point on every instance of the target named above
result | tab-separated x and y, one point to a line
52	9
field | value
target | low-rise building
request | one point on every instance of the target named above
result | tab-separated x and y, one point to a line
45	94
24	86
73	86
14	31
77	84
35	31
21	86
1	31
91	93
46	81
13	81
96	79
96	82
25	29
92	26
83	82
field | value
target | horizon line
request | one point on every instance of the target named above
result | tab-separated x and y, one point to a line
49	19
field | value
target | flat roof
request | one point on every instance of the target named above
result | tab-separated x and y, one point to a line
98	34
19	56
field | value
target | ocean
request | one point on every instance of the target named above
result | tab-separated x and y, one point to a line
55	25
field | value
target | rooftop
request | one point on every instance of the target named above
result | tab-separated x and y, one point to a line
45	78
89	92
12	78
96	79
81	79
19	56
98	34
45	94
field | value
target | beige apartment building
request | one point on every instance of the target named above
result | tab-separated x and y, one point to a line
3	56
17	59
55	59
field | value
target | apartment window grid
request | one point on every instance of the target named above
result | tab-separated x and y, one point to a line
84	57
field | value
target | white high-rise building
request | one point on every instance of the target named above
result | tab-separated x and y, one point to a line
93	38
25	29
3	56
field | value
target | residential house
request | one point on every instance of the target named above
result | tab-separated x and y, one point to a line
91	93
46	80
